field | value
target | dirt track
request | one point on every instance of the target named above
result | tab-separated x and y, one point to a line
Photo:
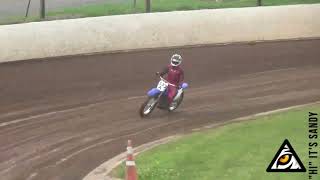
60	119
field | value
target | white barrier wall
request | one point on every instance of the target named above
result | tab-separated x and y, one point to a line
127	32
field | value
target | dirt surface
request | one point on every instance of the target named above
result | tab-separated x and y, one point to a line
62	117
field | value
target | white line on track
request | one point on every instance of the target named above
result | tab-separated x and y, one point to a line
136	97
65	111
94	104
113	139
105	142
84	149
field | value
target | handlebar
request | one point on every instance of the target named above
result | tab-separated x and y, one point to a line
167	81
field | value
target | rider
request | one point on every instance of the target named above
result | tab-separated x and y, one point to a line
175	75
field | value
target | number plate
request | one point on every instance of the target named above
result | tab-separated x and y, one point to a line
162	86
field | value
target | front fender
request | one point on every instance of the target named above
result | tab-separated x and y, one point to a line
153	92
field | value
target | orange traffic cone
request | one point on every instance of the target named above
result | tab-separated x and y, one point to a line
131	171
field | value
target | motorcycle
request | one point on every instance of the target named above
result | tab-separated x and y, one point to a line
157	97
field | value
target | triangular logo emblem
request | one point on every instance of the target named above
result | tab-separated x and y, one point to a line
286	160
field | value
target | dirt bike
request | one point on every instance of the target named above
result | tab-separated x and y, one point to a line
157	97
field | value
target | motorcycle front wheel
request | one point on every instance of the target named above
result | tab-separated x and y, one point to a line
148	106
175	104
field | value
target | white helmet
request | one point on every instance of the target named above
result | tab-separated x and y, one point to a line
176	60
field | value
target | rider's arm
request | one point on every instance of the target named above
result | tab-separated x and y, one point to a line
164	71
181	77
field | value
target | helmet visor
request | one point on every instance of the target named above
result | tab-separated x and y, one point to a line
175	62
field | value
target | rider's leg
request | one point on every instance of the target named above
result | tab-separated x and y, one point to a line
172	91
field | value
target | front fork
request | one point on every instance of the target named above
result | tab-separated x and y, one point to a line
180	91
159	96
